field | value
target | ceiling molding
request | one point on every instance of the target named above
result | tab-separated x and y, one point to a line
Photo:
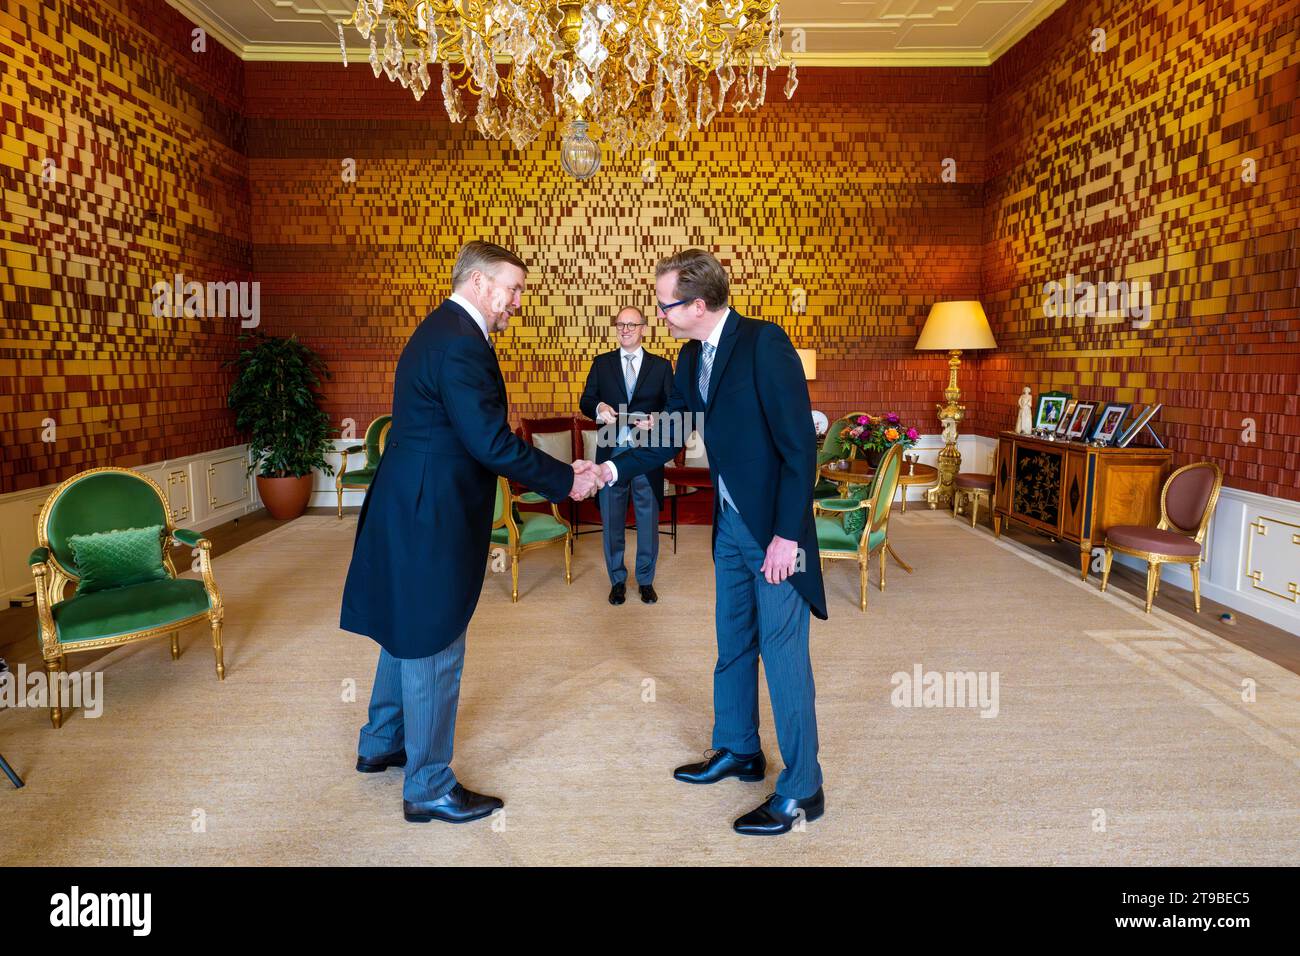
199	13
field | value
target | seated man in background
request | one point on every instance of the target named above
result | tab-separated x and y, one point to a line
623	388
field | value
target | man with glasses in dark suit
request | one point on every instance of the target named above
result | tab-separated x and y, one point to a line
744	377
624	389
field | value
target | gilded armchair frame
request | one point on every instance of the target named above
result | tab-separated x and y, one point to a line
340	485
877	519
52	580
1154	558
514	548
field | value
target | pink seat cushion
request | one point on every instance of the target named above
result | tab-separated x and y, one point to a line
970	479
1152	539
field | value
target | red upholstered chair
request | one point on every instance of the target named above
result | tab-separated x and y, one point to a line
1186	506
557	437
690	468
972	486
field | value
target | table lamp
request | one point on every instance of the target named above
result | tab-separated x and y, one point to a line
953	327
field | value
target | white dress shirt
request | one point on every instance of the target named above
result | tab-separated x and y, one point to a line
474	313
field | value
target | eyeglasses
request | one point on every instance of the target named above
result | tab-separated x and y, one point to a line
628	326
672	305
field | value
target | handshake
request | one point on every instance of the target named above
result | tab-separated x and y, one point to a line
588	478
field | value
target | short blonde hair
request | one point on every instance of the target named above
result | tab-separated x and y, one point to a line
480	256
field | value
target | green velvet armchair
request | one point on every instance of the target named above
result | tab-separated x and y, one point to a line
517	532
114	500
855	528
833	448
360	478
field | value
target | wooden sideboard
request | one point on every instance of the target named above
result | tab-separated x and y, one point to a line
1073	491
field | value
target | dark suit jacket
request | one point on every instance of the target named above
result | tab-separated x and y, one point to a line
756	435
423	534
605	384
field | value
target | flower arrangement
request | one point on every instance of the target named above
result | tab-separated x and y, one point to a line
877	433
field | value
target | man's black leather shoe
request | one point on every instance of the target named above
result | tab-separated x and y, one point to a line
379	764
457	805
648	595
778	814
618	593
723	764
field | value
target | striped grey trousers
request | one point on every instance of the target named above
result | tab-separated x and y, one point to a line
413	705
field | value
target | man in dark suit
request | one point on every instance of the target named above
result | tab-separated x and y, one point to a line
743	378
423	533
624	388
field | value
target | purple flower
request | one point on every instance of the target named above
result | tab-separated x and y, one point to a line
862	419
913	434
892	418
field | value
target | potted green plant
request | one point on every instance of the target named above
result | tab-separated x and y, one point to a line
275	400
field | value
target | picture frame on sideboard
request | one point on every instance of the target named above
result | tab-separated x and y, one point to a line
1140	421
1109	422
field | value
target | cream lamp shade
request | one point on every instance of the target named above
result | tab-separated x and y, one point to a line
809	359
956	325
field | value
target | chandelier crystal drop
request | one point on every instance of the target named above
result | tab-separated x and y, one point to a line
630	71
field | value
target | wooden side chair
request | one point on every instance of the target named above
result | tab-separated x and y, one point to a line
855	528
1187	503
518	532
373	447
106	529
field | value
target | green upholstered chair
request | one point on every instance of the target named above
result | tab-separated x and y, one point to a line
518	532
114	499
833	449
360	478
854	528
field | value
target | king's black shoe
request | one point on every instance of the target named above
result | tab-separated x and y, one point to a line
379	764
723	764
457	805
648	595
778	814
618	593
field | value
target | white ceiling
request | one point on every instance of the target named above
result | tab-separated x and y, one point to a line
837	32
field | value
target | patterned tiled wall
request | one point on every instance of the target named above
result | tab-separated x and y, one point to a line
837	192
1123	164
146	179
1129	164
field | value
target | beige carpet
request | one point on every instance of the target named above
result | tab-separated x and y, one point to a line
1120	738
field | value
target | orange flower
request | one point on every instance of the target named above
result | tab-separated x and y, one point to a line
891	434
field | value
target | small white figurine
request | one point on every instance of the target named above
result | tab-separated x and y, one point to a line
1024	418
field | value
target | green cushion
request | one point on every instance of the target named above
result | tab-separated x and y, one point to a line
831	536
855	521
125	610
532	527
361	476
101	501
116	559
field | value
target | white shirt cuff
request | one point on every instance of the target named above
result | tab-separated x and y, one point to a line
614	470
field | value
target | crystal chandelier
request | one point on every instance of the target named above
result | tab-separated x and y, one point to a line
631	69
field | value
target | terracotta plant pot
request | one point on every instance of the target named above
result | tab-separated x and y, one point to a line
285	498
